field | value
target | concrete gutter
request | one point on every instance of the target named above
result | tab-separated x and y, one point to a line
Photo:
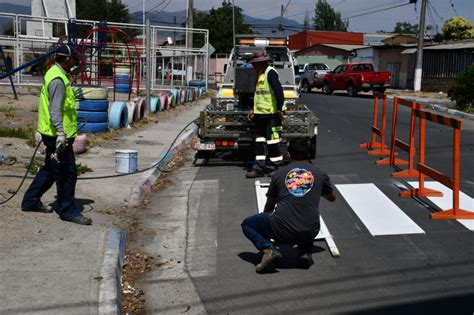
110	288
145	182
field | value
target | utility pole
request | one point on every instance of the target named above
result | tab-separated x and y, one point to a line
189	38
419	52
233	23
282	12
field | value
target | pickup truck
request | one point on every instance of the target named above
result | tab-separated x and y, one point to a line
312	76
223	126
356	77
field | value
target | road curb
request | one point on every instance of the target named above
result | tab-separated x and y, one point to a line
145	182
110	288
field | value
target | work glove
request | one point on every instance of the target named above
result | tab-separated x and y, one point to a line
281	115
60	140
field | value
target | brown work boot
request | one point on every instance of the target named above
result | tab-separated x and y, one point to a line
270	257
305	259
254	174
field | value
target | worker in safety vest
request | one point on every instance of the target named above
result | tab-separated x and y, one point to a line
57	124
268	115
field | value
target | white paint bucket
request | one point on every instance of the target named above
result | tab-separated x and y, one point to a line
126	161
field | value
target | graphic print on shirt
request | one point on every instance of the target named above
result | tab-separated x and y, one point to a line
299	182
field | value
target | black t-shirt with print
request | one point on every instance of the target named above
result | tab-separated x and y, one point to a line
297	189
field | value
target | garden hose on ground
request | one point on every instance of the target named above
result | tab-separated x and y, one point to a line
98	177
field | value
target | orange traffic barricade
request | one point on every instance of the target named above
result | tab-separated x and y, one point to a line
379	148
409	147
452	183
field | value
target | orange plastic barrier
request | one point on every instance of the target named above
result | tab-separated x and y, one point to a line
452	183
379	147
411	172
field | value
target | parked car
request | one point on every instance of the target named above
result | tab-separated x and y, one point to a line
356	77
312	76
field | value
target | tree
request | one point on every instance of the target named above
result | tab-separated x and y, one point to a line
102	10
458	28
405	28
462	89
326	19
219	23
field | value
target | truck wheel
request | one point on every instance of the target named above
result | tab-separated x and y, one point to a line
306	88
351	90
326	89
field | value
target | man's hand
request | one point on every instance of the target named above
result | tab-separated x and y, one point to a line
281	115
250	115
61	140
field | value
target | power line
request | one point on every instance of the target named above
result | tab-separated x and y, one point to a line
370	8
452	5
376	11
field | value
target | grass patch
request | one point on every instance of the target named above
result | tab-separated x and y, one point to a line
8	112
82	169
20	133
38	164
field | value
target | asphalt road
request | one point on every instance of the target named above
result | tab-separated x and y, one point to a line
429	273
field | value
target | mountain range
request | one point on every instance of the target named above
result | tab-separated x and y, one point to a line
261	26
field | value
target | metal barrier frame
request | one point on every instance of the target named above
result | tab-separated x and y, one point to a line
411	172
379	147
452	183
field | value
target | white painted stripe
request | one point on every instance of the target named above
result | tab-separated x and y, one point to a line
276	159
260	139
260	157
378	213
446	202
275	141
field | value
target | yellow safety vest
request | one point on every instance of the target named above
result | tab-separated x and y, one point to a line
264	100
45	126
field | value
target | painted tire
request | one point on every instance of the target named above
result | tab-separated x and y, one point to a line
122	86
122	70
176	96
95	127
182	97
93	117
140	107
131	111
118	117
79	145
93	105
90	92
164	101
171	101
198	83
194	93
154	104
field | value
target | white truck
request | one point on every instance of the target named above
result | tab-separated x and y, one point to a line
223	125
312	76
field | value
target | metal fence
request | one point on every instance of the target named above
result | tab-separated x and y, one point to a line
178	54
446	63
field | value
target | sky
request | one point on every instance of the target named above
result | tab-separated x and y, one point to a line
385	19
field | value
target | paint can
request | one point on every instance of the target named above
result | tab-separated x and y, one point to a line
126	161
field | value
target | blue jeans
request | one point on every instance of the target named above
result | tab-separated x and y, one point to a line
63	172
258	230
